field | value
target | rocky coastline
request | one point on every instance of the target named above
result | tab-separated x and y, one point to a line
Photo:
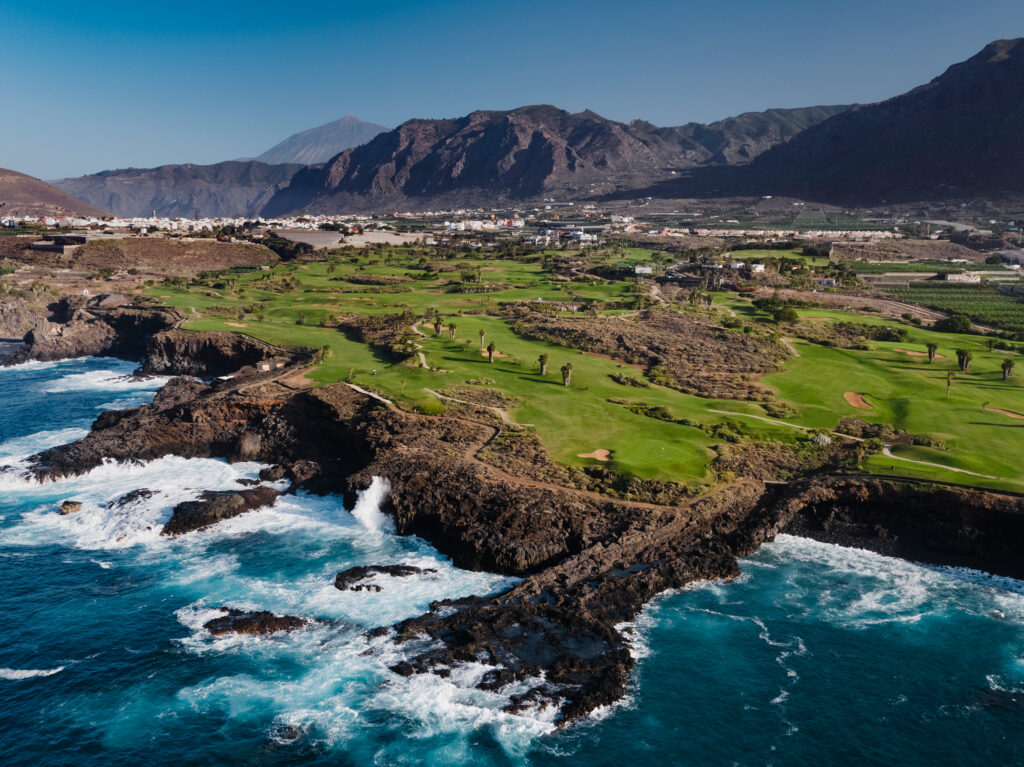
588	563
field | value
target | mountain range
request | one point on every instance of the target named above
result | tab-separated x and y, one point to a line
233	188
962	134
489	156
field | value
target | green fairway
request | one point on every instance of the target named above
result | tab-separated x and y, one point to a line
903	390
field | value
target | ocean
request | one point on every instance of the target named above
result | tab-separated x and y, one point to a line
815	655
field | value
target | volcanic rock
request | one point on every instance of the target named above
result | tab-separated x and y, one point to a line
216	506
349	580
70	507
252	622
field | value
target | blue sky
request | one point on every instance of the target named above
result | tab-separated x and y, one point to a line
95	85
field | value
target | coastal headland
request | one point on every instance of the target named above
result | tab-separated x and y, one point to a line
588	561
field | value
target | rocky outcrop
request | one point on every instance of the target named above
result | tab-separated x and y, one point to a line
588	563
19	317
350	580
203	354
122	332
213	507
70	507
236	621
920	521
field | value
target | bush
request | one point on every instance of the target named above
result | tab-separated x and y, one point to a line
430	408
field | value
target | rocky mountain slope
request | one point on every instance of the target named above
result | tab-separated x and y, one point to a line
234	188
487	156
317	145
22	195
961	134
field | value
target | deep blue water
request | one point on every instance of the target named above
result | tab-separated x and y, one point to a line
816	655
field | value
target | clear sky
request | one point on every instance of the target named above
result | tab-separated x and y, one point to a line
89	86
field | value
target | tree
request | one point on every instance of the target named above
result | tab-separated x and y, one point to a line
1008	366
949	383
437	325
963	358
451	331
300	320
482	334
543	360
932	349
566	373
490	351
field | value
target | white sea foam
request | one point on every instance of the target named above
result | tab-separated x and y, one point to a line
20	448
14	674
100	525
104	380
368	506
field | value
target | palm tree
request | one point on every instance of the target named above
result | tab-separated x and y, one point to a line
437	325
566	373
1008	366
482	334
451	331
949	383
490	351
964	357
543	360
932	349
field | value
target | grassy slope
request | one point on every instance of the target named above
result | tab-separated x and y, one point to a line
906	391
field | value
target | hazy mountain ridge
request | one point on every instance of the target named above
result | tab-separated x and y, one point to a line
233	188
317	145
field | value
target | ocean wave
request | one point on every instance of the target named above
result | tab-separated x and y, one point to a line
15	674
104	380
20	448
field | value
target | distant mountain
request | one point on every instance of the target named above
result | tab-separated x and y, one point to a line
234	188
961	134
22	195
488	156
320	144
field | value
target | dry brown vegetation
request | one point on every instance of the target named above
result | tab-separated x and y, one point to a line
186	257
903	250
682	350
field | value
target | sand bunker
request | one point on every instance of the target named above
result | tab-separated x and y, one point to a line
484	352
600	454
912	353
237	324
1008	413
857	400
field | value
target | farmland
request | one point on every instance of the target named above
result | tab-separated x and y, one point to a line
982	303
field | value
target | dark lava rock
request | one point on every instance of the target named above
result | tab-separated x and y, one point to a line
70	507
128	499
348	580
273	473
252	622
213	507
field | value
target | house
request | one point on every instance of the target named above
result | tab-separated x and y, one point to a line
824	282
962	277
640	270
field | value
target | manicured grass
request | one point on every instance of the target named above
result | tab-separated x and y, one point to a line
905	391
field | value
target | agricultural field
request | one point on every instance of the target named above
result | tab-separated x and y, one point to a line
911	267
984	304
609	402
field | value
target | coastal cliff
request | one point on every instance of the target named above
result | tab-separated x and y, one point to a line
589	563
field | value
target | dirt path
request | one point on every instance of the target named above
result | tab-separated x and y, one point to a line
371	395
789	344
887	452
886	449
505	419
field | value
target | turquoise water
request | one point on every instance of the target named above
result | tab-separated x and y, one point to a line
816	655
